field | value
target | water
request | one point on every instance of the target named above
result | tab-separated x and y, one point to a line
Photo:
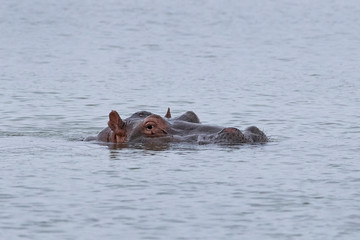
290	68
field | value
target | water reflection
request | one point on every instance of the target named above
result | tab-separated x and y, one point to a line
144	146
116	149
119	150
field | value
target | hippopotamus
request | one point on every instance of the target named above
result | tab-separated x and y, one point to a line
146	127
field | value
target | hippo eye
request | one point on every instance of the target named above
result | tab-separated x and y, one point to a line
149	127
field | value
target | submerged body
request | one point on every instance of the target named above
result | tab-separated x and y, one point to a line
147	127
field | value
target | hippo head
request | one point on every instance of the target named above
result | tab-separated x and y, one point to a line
137	129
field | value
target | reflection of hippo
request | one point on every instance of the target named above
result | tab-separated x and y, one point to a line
147	128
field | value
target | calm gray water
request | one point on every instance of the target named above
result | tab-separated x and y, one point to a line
289	67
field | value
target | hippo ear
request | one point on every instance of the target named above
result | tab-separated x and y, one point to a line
168	114
115	123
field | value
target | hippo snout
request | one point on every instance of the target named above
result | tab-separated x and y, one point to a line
230	135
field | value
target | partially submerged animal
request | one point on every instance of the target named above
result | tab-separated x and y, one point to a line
147	127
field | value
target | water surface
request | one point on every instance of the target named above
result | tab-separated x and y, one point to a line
289	68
